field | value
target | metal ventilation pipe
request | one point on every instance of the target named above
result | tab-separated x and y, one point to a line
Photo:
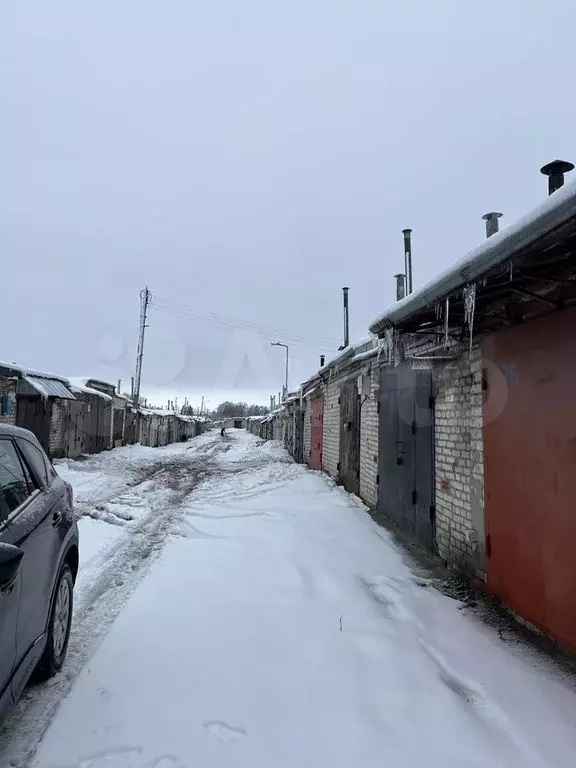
346	318
400	285
555	172
408	259
491	220
322	359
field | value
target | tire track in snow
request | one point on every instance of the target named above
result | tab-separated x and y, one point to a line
124	564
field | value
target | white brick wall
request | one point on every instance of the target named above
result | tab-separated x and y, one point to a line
331	436
307	428
56	426
369	441
460	462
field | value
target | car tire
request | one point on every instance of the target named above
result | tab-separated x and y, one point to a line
58	627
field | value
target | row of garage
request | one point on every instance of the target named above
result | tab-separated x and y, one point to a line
76	416
456	418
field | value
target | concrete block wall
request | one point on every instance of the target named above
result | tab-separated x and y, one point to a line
459	461
331	436
369	444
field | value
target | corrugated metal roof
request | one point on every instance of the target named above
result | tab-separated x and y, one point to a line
49	387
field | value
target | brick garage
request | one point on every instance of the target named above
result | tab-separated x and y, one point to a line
496	332
349	430
369	439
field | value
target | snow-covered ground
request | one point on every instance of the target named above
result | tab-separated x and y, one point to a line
235	609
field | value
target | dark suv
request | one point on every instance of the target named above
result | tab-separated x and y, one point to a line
38	563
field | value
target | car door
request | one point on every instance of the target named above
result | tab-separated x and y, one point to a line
33	524
10	595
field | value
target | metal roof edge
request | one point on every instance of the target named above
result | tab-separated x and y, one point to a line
551	213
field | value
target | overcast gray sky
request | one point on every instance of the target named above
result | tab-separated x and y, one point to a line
248	159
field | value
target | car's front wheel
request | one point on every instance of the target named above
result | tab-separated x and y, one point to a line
59	626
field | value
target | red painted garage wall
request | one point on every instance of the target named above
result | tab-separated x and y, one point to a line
530	471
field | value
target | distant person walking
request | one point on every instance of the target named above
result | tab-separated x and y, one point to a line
222	432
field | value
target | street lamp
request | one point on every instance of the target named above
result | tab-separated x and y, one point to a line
279	344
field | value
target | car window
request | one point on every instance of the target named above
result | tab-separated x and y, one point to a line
15	485
35	459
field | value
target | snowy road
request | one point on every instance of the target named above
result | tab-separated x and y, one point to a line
235	609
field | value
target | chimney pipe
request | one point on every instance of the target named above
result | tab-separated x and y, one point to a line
491	220
322	359
132	389
400	286
555	172
346	318
408	259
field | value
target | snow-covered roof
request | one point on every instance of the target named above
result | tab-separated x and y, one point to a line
556	210
366	355
78	384
23	371
155	412
351	351
48	387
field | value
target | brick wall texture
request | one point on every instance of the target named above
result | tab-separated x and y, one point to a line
307	428
56	426
331	436
459	460
369	441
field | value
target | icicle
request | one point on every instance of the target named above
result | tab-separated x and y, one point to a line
469	294
381	346
390	340
438	310
511	270
446	320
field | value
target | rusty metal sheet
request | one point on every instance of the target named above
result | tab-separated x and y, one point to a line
530	471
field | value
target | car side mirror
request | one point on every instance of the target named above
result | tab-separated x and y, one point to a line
10	560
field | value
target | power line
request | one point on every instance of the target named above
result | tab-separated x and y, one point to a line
229	328
229	323
159	302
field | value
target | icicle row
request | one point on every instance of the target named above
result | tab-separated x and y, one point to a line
469	294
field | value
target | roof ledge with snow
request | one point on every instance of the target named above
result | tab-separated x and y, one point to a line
554	218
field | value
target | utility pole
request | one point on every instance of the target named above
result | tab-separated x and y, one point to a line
145	297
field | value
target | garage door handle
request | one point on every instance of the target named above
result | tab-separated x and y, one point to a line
56	518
